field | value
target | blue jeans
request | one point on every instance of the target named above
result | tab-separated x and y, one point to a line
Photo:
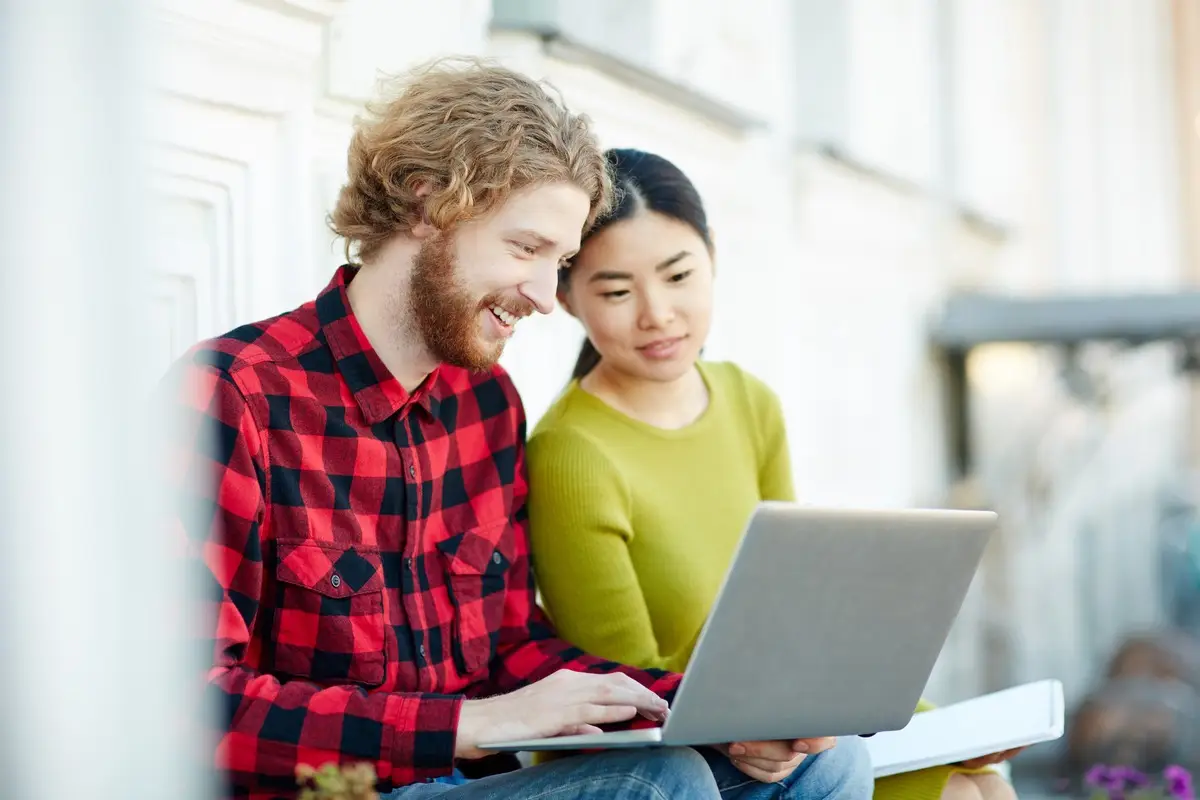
843	773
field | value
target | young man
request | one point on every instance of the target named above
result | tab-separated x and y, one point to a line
356	481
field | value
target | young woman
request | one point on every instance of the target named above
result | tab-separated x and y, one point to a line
644	471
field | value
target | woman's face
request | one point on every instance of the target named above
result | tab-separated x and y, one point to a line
643	289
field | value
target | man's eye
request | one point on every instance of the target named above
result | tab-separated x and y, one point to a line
527	249
616	294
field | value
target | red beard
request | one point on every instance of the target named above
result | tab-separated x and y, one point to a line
446	313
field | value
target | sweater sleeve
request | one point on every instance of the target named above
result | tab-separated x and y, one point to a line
775	480
580	528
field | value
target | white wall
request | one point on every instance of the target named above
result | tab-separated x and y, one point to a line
95	670
254	116
829	271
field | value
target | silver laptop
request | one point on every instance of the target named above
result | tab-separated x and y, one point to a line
828	624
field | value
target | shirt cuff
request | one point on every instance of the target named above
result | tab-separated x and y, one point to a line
424	736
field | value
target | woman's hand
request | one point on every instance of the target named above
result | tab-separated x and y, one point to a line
989	760
771	762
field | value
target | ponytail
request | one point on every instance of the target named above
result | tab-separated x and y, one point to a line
589	357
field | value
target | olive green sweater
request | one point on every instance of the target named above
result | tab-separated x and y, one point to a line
633	527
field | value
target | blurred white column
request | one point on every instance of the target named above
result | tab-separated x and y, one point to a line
92	672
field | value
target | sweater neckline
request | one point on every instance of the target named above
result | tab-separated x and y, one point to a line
693	428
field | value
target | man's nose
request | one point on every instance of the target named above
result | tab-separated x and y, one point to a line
541	289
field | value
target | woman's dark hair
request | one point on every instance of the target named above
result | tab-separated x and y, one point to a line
642	182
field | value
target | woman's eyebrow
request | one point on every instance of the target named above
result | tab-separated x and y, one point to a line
612	275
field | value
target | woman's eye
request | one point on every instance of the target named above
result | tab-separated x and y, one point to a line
615	295
527	249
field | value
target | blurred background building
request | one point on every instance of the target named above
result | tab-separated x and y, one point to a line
958	238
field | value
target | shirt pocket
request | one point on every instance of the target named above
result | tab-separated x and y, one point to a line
329	621
476	579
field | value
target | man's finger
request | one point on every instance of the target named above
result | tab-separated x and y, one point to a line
655	716
595	714
623	690
582	729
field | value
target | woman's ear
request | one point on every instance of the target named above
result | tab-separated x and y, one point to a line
712	248
564	301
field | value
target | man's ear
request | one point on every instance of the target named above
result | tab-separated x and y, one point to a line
423	228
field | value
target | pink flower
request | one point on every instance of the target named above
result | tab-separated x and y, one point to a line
1179	783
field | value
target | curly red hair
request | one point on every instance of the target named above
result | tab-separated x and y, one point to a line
472	132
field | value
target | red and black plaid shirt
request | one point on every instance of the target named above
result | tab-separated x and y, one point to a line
368	548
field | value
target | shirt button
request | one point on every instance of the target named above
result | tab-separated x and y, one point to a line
336	580
412	471
421	650
408	563
495	558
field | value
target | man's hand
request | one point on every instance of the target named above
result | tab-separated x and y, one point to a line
565	703
771	762
988	760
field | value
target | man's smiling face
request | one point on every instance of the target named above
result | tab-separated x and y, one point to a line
472	285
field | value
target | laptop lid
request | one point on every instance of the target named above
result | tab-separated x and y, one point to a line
829	623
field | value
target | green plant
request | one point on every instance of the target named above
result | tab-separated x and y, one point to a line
330	782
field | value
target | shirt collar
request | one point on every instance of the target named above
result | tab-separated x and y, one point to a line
378	394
